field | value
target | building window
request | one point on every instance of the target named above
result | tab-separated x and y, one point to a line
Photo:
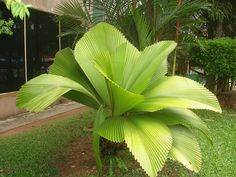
41	45
11	55
42	42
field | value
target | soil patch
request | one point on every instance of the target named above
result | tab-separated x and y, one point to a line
76	159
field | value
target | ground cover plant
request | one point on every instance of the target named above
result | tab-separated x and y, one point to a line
36	151
136	102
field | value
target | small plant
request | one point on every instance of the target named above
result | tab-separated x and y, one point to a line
6	27
18	8
136	102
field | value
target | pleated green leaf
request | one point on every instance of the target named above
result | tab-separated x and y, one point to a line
185	148
122	100
178	92
82	98
118	64
102	37
174	116
65	65
112	129
149	141
148	63
161	72
42	91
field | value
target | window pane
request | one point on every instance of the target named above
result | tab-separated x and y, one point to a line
42	42
11	54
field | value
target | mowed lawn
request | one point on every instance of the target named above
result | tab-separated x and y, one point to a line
31	154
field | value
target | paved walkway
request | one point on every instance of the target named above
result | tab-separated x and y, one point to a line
27	120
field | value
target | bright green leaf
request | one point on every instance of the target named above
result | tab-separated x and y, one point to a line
65	65
161	72
42	91
177	92
102	37
149	141
185	148
112	129
121	99
118	64
175	116
147	64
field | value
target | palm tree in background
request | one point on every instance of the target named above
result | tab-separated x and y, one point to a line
144	22
221	18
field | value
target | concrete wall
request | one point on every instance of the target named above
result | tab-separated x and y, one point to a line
44	5
8	105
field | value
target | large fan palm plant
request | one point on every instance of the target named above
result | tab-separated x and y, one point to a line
136	102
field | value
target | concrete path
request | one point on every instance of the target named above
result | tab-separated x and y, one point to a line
21	121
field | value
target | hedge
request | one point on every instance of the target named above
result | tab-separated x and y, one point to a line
216	57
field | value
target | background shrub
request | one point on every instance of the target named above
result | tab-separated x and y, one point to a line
217	57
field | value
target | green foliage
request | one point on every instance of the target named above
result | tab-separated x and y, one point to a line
6	27
216	57
18	8
127	84
220	10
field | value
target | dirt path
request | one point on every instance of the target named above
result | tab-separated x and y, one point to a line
41	122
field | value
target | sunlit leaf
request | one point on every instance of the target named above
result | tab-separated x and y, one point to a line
42	91
149	141
177	92
147	63
112	129
175	116
185	148
65	65
102	37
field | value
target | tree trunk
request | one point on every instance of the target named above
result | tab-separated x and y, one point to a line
210	31
232	84
219	30
211	83
222	83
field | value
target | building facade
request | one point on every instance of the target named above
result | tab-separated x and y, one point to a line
28	52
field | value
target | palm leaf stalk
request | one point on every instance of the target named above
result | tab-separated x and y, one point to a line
176	39
136	102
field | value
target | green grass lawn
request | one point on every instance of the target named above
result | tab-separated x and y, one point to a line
219	159
30	154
